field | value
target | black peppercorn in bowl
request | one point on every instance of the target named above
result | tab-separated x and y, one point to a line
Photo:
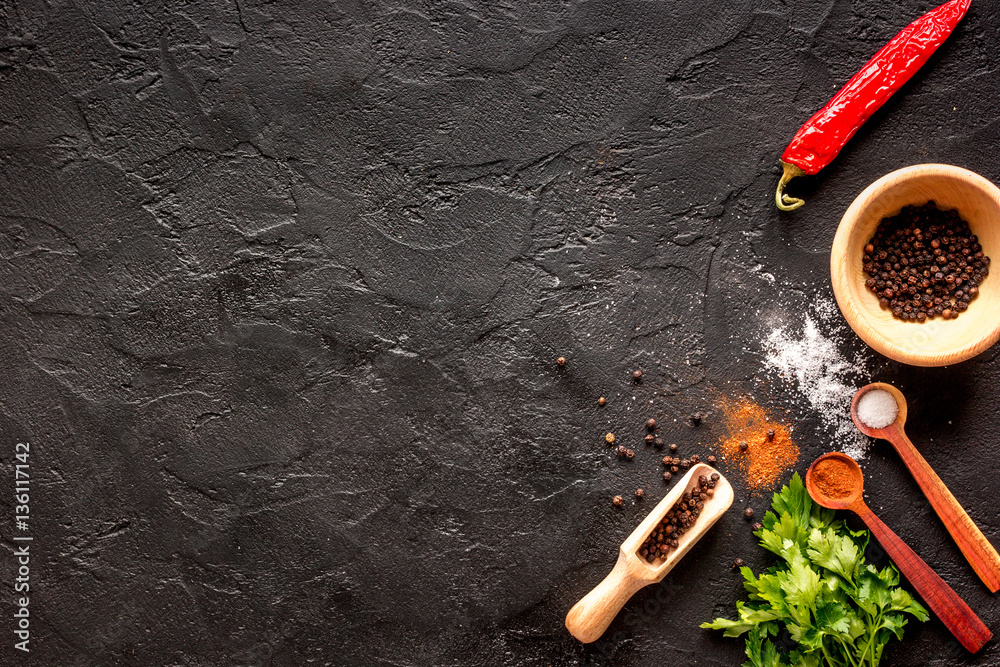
899	303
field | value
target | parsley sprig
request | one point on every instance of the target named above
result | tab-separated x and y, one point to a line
837	609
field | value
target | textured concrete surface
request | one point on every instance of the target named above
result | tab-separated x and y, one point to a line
282	288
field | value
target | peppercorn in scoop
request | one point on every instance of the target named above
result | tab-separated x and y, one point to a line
924	263
679	519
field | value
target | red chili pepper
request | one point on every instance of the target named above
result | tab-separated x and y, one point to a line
818	141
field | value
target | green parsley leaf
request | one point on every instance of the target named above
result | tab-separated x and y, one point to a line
840	610
800	583
760	651
729	628
837	553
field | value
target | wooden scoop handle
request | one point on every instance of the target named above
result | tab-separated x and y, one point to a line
591	616
981	555
960	620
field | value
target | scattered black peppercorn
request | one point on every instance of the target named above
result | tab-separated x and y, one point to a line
561	361
639	493
748	512
711	459
601	401
650	439
674	469
622	450
770	434
696	418
715	477
658	442
685	464
630	453
673	446
637	375
617	500
738	563
924	262
651	424
757	525
695	458
667	461
667	476
743	445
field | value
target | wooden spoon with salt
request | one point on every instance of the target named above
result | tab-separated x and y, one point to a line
974	546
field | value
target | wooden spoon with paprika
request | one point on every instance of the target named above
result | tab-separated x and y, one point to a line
835	481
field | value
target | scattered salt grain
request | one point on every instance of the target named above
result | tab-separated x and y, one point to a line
877	408
826	379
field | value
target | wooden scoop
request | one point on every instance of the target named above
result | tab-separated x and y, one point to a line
591	616
960	620
977	549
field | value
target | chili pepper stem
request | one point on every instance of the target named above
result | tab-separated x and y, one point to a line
784	202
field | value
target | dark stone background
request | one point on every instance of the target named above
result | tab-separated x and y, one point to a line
282	288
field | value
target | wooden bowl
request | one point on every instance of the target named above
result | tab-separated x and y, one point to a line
936	342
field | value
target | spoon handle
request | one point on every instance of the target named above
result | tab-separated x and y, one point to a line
960	620
591	616
981	555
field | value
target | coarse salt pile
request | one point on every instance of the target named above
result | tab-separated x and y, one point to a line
824	376
877	408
